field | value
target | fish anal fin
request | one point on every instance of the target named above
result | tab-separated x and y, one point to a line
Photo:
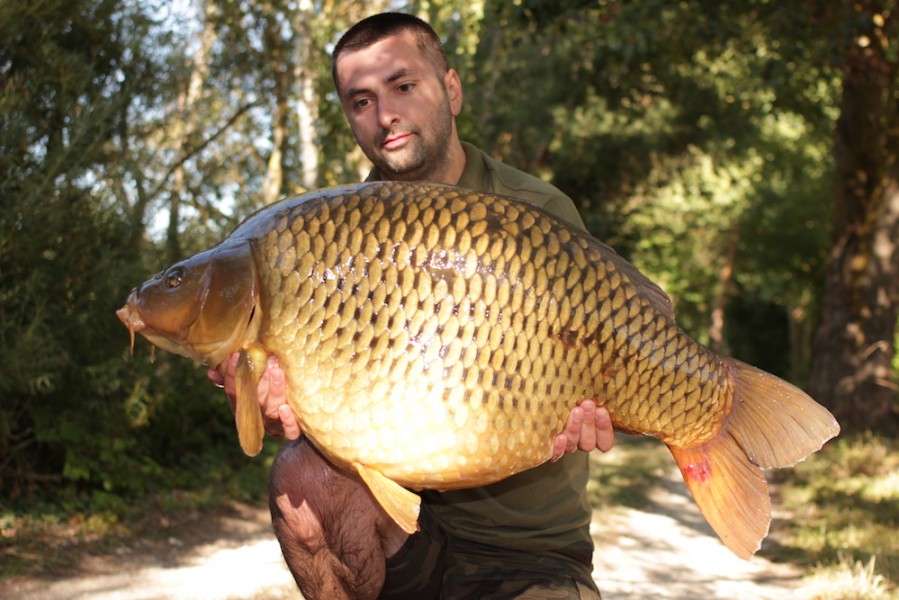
402	505
731	492
776	423
247	414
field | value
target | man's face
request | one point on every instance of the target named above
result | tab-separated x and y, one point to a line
400	108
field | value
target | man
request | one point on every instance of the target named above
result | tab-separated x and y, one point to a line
524	537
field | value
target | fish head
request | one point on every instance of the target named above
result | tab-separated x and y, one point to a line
202	307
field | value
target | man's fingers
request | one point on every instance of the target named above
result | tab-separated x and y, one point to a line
216	378
270	388
292	429
262	390
573	429
230	370
560	444
277	387
605	434
587	441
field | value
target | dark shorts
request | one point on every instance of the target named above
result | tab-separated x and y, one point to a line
434	565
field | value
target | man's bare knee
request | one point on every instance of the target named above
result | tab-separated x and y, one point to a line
306	493
327	525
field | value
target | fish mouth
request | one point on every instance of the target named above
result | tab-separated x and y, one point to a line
129	317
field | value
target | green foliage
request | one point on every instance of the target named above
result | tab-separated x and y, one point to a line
679	132
77	413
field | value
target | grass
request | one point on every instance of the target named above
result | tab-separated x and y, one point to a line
843	504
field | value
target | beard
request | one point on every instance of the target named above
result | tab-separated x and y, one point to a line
425	155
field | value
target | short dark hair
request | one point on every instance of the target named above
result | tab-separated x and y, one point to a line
375	28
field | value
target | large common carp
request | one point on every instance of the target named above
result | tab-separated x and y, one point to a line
434	337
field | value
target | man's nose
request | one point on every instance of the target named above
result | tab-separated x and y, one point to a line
387	113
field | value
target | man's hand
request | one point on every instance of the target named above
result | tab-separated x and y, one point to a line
588	427
277	415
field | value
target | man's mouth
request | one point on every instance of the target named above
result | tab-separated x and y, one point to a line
396	140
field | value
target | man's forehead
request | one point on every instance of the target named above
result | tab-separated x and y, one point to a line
381	60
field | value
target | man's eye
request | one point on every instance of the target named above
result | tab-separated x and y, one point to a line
405	87
361	103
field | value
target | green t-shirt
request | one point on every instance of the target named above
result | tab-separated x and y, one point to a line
544	509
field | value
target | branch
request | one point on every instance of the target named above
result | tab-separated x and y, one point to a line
194	151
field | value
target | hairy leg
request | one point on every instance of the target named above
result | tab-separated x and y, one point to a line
335	538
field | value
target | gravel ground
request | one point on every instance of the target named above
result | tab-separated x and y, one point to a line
666	551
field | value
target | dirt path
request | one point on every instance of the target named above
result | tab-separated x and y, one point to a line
667	551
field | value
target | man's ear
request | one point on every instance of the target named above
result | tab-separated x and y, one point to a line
453	90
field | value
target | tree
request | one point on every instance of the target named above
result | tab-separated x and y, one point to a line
855	344
82	134
672	126
63	252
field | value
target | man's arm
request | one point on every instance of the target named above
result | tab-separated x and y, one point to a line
588	427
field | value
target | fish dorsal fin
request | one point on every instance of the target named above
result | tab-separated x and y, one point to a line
646	288
247	413
402	505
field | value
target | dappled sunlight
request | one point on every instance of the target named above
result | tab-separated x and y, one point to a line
667	550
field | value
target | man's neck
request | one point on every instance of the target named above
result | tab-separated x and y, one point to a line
455	165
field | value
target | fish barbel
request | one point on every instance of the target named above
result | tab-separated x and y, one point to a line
434	337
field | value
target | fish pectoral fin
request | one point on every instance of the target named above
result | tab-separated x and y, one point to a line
247	413
402	505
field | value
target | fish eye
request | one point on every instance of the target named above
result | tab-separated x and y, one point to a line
174	278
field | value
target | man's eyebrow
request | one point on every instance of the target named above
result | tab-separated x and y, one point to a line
398	74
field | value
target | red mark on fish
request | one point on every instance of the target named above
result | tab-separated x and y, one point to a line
698	472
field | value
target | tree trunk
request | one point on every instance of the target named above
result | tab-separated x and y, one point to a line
273	182
307	98
801	332
716	329
186	129
854	346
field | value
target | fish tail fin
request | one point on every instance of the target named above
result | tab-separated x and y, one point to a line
778	424
771	424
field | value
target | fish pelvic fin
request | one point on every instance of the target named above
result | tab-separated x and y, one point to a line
402	505
247	414
772	423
